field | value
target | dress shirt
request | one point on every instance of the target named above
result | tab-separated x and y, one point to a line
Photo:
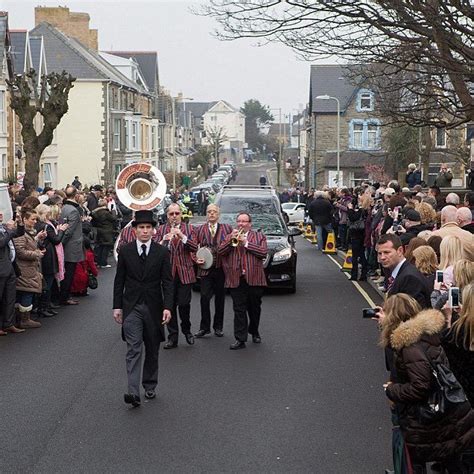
139	247
397	269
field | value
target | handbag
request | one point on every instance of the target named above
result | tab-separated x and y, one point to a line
92	282
446	392
357	225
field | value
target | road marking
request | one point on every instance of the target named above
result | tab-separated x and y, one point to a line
356	284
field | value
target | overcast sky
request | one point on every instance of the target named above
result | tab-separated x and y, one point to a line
191	60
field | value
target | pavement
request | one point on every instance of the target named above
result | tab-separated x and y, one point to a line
309	399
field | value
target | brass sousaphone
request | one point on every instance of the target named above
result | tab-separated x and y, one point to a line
140	187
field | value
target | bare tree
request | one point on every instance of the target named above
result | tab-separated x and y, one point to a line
28	99
216	137
423	50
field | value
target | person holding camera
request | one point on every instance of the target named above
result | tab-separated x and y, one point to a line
413	176
413	336
357	213
445	176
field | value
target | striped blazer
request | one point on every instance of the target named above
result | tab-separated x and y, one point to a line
204	239
250	258
182	263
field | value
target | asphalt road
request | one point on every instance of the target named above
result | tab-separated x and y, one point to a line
309	399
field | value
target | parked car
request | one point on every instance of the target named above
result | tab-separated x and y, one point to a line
5	203
264	207
294	211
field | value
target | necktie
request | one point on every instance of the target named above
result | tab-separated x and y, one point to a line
143	255
391	281
213	230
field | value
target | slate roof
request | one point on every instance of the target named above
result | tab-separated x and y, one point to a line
65	53
198	109
18	43
354	158
329	80
35	48
148	63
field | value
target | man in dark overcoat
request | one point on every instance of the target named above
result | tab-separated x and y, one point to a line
143	298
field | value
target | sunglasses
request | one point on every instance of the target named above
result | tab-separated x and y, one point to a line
174	213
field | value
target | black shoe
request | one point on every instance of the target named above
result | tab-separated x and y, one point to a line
256	339
55	305
189	338
45	313
218	333
363	279
237	345
170	345
50	310
201	333
353	278
133	400
150	394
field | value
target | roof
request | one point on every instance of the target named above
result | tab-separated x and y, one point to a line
65	53
35	48
330	80
231	107
18	50
354	159
197	109
148	63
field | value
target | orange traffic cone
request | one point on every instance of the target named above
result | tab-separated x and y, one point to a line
347	265
301	226
308	233
330	244
314	239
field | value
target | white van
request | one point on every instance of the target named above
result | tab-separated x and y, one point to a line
5	203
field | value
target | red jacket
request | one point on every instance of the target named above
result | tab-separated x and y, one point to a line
81	276
182	263
244	260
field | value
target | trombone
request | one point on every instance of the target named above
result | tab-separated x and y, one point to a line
235	241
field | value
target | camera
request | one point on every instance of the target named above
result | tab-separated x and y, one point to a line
370	313
454	297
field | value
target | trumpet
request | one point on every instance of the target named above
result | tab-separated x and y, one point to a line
235	241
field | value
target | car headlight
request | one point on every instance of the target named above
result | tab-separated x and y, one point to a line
282	255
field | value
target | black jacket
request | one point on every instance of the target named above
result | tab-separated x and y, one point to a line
411	282
320	211
151	283
49	262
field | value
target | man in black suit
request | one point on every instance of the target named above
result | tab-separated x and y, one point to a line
143	298
404	277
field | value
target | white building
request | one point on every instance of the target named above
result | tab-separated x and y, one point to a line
225	119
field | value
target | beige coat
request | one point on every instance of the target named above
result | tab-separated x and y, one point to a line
28	261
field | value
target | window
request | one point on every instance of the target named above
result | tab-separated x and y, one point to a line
3	168
47	176
440	138
3	118
127	144
364	134
134	135
117	125
358	135
365	101
153	137
117	169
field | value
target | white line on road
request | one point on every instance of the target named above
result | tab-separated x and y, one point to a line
357	285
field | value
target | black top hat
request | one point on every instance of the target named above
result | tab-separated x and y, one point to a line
143	217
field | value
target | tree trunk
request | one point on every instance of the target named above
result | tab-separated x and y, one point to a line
32	169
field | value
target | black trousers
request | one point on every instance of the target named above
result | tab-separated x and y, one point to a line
69	270
139	330
102	253
358	255
212	285
7	300
247	300
181	305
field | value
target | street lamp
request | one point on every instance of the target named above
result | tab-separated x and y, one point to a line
173	119
328	97
280	146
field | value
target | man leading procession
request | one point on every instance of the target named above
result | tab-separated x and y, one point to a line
143	299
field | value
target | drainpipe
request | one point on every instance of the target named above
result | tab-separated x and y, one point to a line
107	128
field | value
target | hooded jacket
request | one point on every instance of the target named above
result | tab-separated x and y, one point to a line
413	342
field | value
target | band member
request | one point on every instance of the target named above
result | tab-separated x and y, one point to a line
143	298
210	235
243	252
180	239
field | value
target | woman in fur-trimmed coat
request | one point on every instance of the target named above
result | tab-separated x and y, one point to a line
414	341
